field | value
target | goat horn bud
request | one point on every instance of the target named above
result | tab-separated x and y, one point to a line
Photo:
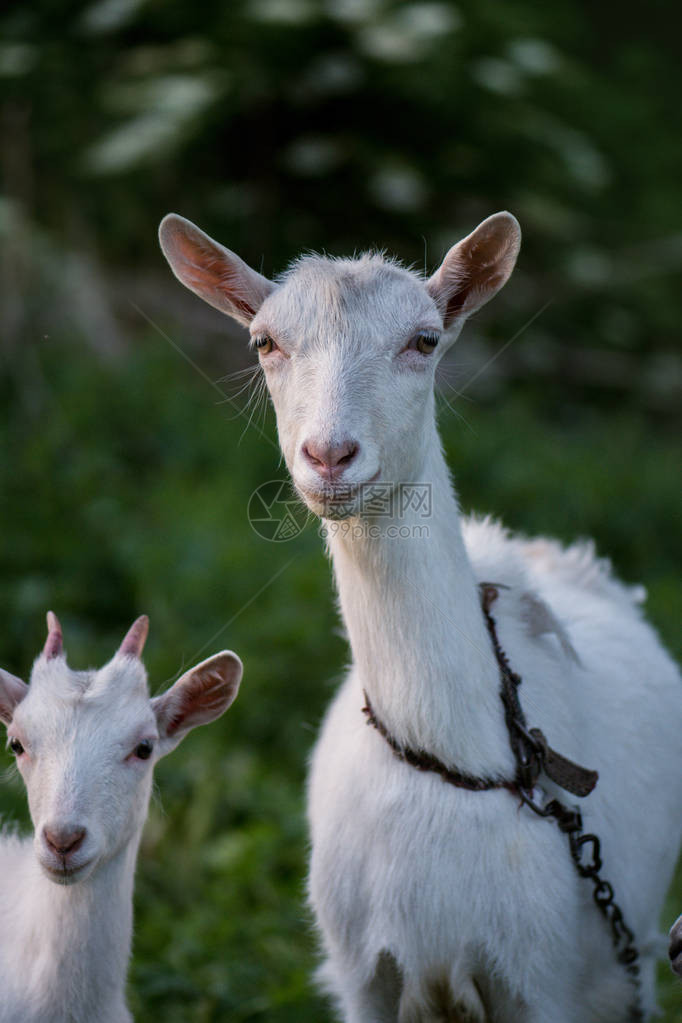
135	637
53	643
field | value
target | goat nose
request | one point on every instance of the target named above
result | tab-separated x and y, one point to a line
330	460
64	840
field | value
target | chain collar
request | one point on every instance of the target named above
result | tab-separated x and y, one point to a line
534	755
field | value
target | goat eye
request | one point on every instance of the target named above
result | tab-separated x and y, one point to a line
425	342
144	749
16	747
264	344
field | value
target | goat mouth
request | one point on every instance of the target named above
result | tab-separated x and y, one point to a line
67	875
333	504
331	495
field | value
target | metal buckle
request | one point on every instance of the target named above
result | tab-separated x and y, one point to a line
527	798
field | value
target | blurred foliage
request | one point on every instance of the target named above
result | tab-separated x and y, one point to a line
336	124
282	125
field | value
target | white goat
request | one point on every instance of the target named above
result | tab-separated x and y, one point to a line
85	743
675	947
433	902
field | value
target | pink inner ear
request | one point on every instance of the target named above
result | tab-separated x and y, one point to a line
475	280
198	700
190	249
201	695
215	274
229	283
180	708
211	271
477	267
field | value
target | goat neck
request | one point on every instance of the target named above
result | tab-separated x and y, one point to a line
80	936
411	606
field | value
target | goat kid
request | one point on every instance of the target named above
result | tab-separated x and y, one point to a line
85	743
435	903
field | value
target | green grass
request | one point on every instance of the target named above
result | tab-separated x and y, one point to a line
123	489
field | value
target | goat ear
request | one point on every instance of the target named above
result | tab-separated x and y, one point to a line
211	271
201	695
476	268
12	692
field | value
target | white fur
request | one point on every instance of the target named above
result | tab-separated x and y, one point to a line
435	903
67	921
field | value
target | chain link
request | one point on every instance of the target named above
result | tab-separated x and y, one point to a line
530	749
585	850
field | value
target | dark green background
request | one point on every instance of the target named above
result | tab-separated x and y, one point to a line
127	462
